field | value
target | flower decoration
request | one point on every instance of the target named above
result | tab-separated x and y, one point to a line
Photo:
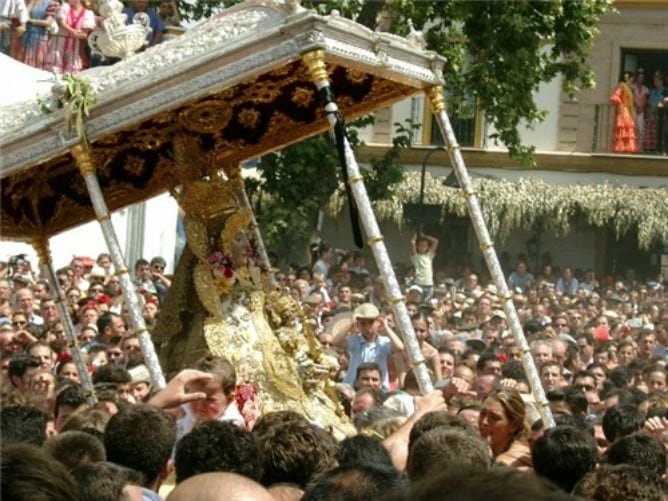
248	403
222	271
509	205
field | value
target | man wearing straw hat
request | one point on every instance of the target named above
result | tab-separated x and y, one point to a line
365	344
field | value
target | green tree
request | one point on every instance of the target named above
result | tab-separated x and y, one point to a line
296	183
498	53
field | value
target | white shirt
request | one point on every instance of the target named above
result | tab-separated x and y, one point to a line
424	272
14	8
185	424
321	267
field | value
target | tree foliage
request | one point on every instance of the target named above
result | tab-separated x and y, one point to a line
498	53
296	184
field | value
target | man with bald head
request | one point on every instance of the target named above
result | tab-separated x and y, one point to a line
219	487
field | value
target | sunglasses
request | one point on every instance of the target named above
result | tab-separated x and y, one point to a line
18	323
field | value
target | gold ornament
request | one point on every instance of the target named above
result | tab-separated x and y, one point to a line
206	198
249	117
206	116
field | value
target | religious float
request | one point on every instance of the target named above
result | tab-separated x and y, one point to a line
181	117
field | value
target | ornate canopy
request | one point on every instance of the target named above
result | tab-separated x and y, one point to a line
235	84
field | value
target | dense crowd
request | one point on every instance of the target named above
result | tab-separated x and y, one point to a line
600	349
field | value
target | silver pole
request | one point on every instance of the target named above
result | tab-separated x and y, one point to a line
487	247
315	61
85	164
46	268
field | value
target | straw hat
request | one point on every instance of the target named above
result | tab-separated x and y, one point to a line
366	311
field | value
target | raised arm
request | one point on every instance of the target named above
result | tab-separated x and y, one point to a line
397	443
339	339
397	343
433	242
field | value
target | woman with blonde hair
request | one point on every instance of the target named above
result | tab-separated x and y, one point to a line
502	424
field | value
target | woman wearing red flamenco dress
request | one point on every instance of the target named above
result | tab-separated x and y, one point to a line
625	140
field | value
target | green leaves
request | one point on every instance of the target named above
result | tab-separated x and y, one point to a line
498	54
297	183
79	98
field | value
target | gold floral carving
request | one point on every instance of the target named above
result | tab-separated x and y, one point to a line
148	139
134	164
302	97
197	238
206	116
355	76
249	117
206	198
206	289
268	92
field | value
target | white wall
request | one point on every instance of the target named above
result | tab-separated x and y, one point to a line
544	135
87	239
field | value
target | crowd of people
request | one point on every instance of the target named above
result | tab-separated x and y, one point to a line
599	346
52	35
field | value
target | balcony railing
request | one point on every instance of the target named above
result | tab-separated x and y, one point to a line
603	131
60	53
604	122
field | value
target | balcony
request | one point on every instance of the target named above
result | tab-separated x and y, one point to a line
59	53
62	53
603	130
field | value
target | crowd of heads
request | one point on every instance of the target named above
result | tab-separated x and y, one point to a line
599	349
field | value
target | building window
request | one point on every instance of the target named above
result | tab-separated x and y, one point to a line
466	120
647	59
631	59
